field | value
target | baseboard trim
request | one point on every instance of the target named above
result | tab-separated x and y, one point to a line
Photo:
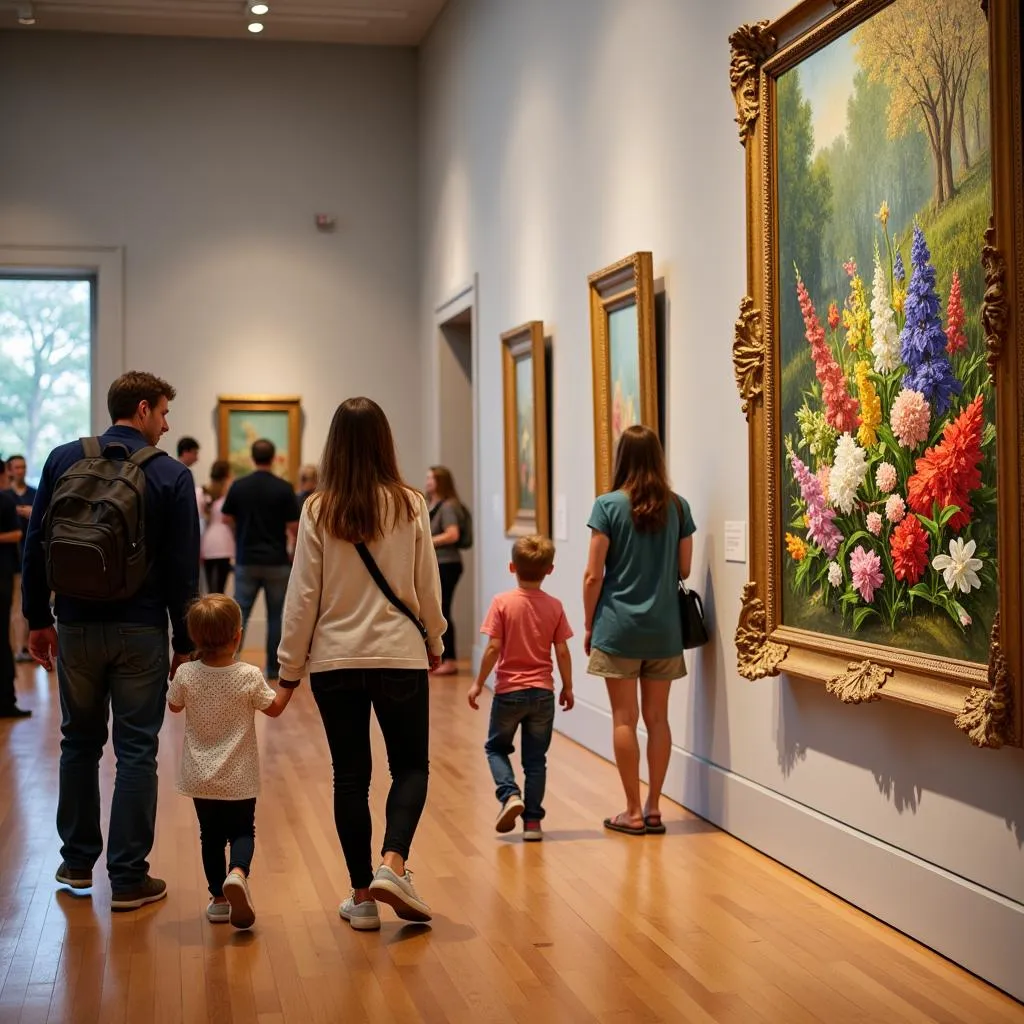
981	930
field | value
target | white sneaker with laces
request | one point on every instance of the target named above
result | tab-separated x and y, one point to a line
236	891
399	894
364	917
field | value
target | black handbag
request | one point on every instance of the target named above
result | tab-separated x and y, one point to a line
691	608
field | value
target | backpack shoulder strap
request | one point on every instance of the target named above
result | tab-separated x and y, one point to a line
144	455
91	448
385	589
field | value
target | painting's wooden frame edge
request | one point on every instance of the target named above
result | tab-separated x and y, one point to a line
985	701
629	278
291	404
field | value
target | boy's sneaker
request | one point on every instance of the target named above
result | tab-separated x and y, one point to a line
510	810
399	894
75	878
364	917
218	913
149	890
236	891
532	832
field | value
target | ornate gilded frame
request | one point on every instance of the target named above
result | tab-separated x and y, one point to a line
629	282
526	340
984	700
287	404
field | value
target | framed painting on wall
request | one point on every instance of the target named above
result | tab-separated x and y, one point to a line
623	356
878	355
524	379
243	419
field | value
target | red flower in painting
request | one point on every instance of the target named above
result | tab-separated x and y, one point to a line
948	473
909	547
955	337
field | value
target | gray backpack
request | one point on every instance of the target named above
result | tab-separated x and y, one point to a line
95	527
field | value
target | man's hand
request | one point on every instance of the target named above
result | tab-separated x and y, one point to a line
474	692
177	661
566	698
25	511
42	645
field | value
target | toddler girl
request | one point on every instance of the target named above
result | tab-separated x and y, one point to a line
220	761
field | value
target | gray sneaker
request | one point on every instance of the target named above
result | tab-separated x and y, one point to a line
149	890
364	917
399	894
218	913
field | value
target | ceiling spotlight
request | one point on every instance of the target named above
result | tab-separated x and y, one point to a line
257	7
255	26
26	15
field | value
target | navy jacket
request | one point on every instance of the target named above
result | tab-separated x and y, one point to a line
172	542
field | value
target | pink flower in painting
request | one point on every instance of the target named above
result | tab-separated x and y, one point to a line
885	477
875	523
895	508
910	418
866	571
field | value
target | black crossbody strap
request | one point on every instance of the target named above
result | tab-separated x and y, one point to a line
679	510
385	589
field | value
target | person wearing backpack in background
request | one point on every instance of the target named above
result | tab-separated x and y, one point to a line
451	529
114	533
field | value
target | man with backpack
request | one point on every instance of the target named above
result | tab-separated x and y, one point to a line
114	534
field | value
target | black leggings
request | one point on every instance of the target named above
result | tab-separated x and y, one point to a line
222	822
450	572
401	701
217	571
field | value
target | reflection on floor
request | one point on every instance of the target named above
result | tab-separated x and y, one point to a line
586	926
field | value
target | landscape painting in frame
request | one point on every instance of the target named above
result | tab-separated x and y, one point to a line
243	420
888	526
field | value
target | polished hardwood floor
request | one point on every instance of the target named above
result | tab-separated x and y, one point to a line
586	926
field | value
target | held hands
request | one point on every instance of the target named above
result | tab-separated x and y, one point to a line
566	700
177	661
42	645
474	693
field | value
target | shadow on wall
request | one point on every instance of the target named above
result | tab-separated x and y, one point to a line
916	749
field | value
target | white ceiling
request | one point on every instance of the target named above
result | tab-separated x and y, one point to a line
381	22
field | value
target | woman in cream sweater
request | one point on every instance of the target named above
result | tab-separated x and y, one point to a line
361	651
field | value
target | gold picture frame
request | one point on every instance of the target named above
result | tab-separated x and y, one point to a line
524	380
624	356
800	615
242	419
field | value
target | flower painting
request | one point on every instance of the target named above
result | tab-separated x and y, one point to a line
888	490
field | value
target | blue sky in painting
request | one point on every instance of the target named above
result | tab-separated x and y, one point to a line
827	81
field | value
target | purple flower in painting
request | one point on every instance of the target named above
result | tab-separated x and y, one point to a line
820	528
922	340
898	272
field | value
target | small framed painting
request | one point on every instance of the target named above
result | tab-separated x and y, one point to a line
243	419
526	431
624	360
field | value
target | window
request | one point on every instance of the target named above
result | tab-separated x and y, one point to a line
46	328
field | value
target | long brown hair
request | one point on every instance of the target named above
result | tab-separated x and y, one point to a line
220	472
360	485
444	484
640	472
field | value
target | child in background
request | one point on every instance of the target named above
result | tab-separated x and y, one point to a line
220	761
523	625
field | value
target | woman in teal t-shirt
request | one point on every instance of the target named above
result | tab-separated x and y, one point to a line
641	543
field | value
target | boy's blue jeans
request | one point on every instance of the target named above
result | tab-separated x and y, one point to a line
534	710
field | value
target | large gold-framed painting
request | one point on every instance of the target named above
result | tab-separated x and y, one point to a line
878	353
623	356
524	379
243	419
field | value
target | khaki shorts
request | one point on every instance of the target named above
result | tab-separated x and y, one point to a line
612	666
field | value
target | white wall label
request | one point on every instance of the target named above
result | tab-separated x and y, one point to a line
736	541
561	518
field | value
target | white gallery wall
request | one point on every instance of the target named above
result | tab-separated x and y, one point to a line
556	138
206	160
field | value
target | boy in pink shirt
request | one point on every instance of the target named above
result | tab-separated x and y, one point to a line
523	625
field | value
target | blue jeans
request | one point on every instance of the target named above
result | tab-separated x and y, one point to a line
104	666
274	581
534	710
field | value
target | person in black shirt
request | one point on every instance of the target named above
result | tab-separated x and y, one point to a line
264	512
10	541
23	496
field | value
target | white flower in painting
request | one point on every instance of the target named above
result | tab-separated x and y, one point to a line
835	574
959	568
848	473
886	344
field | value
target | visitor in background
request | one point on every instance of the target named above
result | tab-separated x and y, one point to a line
188	451
217	547
262	510
445	530
112	655
640	546
362	649
10	542
307	483
24	496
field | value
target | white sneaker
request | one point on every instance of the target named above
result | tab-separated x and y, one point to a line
364	917
399	894
510	810
218	913
236	891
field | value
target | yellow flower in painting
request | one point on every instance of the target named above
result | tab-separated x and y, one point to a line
796	547
883	213
899	296
857	313
870	406
806	520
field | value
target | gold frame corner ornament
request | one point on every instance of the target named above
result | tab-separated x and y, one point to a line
860	683
748	353
995	308
987	714
756	655
751	46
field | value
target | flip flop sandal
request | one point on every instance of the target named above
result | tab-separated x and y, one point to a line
653	825
615	825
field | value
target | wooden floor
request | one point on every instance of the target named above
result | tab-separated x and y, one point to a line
586	926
